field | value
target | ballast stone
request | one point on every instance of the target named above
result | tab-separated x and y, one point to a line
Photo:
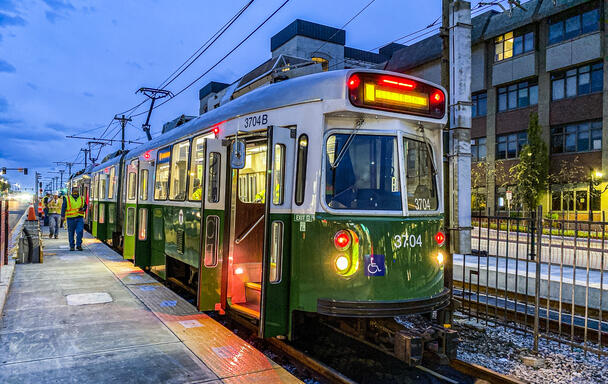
533	362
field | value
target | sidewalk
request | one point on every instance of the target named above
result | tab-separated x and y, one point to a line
91	317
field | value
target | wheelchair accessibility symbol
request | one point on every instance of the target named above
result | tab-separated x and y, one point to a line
374	265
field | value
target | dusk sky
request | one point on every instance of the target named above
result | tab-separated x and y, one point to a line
67	66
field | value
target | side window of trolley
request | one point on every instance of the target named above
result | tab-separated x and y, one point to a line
302	160
362	172
161	179
213	184
420	176
93	188
103	185
179	171
197	166
112	182
143	184
132	180
278	170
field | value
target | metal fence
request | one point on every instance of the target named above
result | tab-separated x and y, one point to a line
538	274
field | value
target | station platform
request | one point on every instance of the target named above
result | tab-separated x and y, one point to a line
92	317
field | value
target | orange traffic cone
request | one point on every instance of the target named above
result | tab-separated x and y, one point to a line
31	214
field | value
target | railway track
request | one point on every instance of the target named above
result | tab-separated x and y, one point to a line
325	371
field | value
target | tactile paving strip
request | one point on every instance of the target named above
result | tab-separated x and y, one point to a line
231	358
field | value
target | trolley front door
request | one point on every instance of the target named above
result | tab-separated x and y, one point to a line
276	261
130	207
212	224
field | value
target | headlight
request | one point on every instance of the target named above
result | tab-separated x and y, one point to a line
342	263
440	258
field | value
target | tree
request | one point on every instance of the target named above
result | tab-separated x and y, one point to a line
532	172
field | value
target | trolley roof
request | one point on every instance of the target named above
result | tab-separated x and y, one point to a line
320	86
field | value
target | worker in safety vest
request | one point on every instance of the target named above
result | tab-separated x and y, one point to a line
55	205
73	209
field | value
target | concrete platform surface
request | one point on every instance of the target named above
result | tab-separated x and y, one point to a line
91	317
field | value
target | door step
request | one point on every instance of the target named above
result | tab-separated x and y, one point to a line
246	309
253	293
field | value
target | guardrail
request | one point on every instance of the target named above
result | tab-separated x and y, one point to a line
540	275
4	232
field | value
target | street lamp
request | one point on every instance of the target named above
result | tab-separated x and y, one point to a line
595	179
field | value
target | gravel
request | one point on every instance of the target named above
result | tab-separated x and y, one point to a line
504	350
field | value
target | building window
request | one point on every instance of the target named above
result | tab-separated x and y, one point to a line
509	146
577	137
513	44
478	149
577	81
517	95
324	63
479	101
570	25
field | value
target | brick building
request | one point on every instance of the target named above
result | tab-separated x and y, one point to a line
548	59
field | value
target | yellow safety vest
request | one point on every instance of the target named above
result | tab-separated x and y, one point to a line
55	206
74	206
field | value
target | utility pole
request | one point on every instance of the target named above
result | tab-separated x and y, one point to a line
61	171
456	78
85	155
123	122
153	94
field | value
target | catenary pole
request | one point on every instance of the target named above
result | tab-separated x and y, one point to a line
456	78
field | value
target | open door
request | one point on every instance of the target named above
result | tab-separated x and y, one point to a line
274	319
212	225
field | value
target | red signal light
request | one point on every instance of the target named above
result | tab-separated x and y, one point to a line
437	97
353	82
440	238
147	155
342	240
216	130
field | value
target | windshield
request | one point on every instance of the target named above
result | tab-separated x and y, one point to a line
420	176
367	177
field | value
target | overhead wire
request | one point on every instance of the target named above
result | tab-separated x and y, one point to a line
342	27
210	41
427	30
195	56
222	59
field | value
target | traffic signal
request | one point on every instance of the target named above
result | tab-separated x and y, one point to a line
4	170
25	171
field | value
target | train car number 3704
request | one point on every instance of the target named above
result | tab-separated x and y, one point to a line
404	241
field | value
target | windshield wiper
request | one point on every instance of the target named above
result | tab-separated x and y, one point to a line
342	152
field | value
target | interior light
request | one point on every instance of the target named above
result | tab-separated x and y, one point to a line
342	240
238	271
599	174
342	263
